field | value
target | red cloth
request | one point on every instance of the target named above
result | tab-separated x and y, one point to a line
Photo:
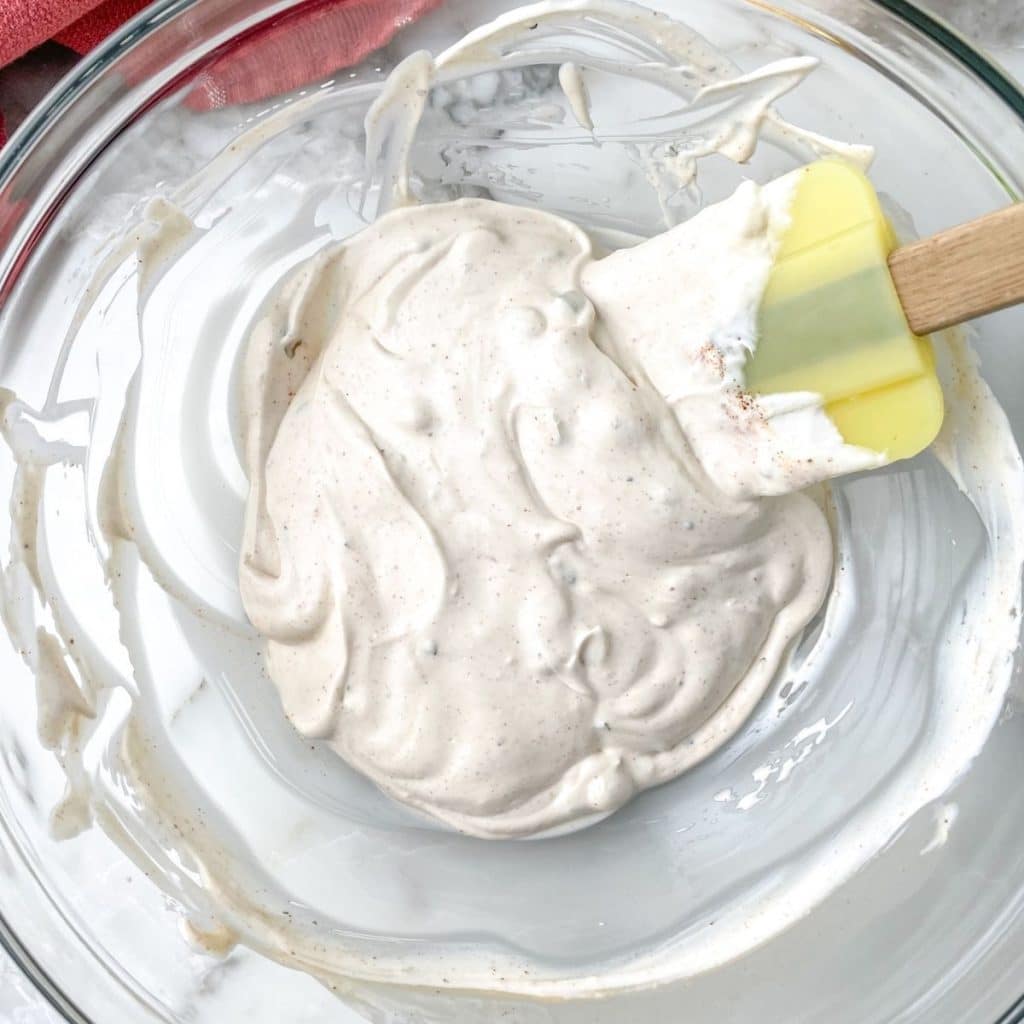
93	27
305	44
79	24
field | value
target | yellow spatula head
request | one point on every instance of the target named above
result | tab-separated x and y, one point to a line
831	322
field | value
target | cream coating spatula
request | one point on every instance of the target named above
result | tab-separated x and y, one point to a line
846	311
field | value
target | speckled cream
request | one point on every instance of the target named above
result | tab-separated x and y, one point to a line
504	534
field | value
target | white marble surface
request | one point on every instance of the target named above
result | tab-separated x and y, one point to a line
995	25
20	1003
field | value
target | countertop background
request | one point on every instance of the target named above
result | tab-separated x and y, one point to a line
996	26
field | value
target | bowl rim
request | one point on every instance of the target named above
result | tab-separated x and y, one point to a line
90	67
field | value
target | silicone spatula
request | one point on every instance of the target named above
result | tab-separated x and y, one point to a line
846	312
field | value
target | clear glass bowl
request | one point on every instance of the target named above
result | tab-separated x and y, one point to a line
925	931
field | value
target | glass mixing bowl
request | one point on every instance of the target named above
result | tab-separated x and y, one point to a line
931	929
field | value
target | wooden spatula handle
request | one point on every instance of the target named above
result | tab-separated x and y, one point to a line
964	272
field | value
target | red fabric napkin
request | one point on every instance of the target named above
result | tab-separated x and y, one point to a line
306	44
79	24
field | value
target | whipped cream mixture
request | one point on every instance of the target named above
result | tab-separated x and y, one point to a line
513	542
500	535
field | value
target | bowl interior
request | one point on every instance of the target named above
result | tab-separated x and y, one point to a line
735	863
